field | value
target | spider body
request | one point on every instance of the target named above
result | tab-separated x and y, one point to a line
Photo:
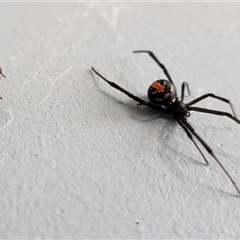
178	109
163	97
163	93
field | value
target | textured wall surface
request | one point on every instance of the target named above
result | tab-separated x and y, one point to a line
78	159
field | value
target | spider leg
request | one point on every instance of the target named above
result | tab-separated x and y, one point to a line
1	74
213	96
184	84
191	138
151	54
137	99
191	129
220	113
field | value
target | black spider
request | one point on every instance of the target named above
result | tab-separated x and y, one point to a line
163	97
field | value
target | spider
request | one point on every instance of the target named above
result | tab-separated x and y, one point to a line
163	97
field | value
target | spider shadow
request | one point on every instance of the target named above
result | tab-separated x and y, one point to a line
138	112
221	192
145	114
135	111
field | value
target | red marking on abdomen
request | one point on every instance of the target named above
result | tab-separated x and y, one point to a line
158	86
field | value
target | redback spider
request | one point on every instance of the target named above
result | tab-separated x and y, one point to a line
163	97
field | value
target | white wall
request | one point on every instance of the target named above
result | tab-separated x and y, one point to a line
78	158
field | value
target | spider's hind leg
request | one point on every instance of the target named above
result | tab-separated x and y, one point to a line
184	84
210	111
210	151
212	96
191	138
137	99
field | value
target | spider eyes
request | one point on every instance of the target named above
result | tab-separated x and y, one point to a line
162	92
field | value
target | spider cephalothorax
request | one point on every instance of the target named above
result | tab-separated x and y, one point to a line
163	97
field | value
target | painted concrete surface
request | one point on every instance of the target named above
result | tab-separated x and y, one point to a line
80	159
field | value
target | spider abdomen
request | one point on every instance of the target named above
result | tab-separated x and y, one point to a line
162	92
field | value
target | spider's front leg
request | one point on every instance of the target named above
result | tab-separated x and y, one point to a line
152	55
